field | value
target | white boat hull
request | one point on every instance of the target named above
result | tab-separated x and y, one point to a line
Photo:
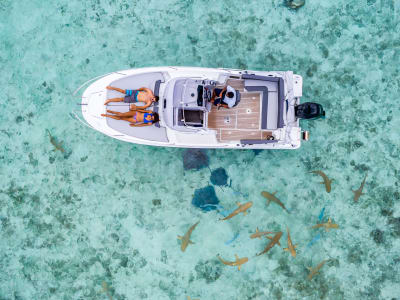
93	98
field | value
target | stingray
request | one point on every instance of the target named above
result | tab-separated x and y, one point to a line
205	198
219	177
195	159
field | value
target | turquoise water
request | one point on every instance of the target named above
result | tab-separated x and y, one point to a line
106	211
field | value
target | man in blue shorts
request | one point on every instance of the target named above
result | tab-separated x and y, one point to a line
143	94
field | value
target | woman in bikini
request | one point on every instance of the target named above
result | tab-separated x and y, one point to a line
143	94
137	118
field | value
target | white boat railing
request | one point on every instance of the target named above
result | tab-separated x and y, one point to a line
74	116
89	81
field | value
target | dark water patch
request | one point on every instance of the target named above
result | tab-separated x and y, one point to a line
370	292
312	70
137	261
324	50
257	151
115	237
37	225
359	167
65	198
156	202
209	270
205	198
65	220
382	196
346	79
193	40
92	179
255	289
284	267
30	267
6	132
67	154
32	160
195	159
123	259
54	240
219	177
395	224
19	119
354	255
312	163
119	183
168	289
5	5
378	236
164	256
241	64
17	194
386	212
48	87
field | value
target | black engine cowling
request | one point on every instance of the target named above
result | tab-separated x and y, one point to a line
309	110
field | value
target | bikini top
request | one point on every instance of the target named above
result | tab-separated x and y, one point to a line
145	116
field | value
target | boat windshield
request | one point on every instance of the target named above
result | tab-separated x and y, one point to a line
187	103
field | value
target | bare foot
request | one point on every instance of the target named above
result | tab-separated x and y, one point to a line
133	107
103	115
108	101
109	87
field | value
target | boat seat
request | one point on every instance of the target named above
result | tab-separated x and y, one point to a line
156	93
275	98
238	96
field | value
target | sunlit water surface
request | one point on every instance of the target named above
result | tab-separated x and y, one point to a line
101	219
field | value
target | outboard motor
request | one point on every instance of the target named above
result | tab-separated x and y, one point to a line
309	110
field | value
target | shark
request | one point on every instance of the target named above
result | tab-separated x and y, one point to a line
106	290
325	181
316	269
186	238
290	248
328	225
314	240
237	263
358	193
53	141
271	197
259	234
242	208
321	214
232	239
274	240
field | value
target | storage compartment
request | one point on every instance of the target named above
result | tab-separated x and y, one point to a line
193	118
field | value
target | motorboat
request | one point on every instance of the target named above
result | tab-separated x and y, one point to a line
266	114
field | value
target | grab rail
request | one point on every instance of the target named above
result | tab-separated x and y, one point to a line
90	80
73	115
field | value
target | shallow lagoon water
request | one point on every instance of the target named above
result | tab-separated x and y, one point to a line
109	211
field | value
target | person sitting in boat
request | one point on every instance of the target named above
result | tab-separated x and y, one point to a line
225	97
143	94
137	118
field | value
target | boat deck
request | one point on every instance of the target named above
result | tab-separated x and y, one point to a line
240	122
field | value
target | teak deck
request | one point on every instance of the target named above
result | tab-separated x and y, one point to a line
240	122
